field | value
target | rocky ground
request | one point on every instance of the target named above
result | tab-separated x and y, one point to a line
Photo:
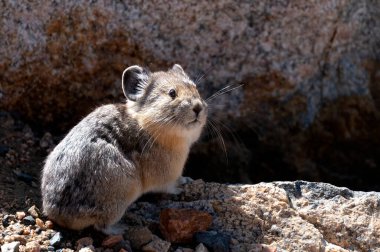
21	157
279	216
282	216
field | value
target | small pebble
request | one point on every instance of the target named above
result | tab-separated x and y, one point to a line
10	247
87	249
7	220
20	215
17	237
84	242
28	220
49	224
267	248
40	223
32	246
157	245
138	236
26	231
201	248
214	240
17	228
112	240
56	239
33	211
123	246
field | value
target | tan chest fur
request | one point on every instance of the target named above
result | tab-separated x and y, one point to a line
163	163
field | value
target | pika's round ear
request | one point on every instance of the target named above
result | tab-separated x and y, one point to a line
134	82
178	69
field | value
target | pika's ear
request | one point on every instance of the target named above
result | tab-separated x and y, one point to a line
134	81
178	69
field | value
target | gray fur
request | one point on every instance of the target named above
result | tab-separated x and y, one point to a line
119	152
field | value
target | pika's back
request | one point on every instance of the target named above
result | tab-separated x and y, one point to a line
94	153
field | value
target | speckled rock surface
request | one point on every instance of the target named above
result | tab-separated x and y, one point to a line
291	216
310	69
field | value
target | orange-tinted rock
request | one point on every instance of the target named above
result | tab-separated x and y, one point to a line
40	223
180	225
112	240
49	224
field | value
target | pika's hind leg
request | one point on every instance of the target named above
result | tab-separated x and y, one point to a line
111	227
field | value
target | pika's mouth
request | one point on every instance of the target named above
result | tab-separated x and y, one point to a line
194	122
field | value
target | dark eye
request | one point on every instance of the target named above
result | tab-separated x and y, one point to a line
172	93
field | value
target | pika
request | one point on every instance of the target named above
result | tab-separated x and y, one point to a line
121	151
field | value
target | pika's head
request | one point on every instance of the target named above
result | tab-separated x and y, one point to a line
166	102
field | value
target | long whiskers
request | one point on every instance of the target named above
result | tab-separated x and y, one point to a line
223	91
220	137
201	76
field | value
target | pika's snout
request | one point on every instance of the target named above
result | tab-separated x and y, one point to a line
197	108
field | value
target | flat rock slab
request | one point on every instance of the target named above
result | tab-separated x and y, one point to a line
293	216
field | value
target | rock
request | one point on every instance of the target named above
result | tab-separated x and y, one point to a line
40	223
291	216
38	229
32	246
15	237
201	248
20	215
123	246
87	249
112	240
84	242
34	211
215	241
56	239
156	245
26	231
10	247
7	220
17	228
138	236
28	220
179	225
49	224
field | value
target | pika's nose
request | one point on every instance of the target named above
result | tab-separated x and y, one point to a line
197	109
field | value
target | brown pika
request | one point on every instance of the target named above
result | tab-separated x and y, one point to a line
121	151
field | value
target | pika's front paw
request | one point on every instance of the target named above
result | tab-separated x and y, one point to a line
184	180
174	190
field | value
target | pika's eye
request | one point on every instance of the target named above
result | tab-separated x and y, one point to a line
172	93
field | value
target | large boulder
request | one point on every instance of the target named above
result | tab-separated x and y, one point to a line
310	100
